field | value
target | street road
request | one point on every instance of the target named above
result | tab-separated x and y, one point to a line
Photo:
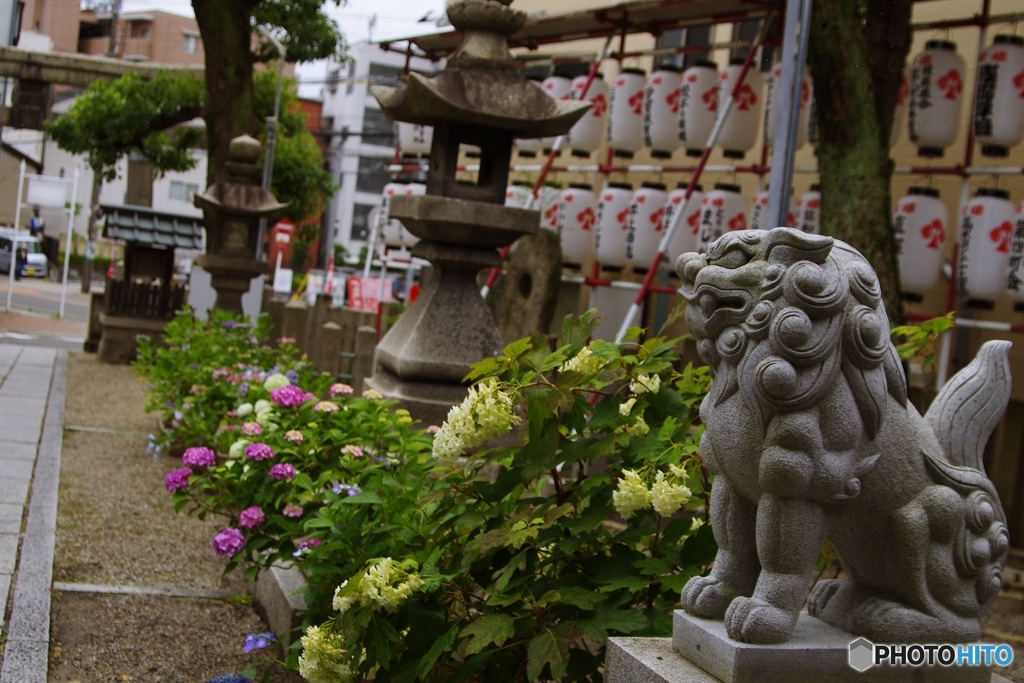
42	296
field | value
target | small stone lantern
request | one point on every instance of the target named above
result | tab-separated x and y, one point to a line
478	99
233	211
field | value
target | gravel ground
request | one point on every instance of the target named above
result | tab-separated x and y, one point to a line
1007	628
116	526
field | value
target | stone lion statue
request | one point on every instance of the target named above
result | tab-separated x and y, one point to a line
810	437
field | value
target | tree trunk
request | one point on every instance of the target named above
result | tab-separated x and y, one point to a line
857	52
230	104
86	272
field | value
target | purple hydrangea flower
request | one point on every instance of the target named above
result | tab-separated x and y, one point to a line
250	517
258	641
243	388
292	376
229	678
282	470
354	451
292	510
259	451
178	479
228	542
199	456
288	397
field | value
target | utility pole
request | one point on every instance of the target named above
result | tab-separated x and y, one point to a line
115	13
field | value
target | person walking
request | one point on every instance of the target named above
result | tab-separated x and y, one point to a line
20	259
36	224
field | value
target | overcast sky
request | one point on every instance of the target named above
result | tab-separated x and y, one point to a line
395	19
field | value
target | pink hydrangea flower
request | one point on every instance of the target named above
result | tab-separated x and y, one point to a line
252	429
354	451
288	397
326	407
293	435
198	390
228	542
282	470
199	456
286	340
250	517
309	543
259	451
433	429
178	479
292	510
340	389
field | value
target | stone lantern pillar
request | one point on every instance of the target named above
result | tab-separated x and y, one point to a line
478	99
232	213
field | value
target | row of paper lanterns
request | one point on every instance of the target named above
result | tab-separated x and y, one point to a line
673	109
991	237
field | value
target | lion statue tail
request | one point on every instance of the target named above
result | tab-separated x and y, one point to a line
969	407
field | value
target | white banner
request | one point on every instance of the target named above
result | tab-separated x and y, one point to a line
47	191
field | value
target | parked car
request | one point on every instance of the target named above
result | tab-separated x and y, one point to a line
37	265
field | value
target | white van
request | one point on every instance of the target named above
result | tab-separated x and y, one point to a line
37	265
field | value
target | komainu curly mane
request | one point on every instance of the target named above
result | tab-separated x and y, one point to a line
811	437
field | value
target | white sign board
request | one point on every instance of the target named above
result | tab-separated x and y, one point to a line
47	192
283	281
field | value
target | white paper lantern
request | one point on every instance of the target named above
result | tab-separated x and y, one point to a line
698	106
390	228
899	119
986	231
577	217
518	194
645	225
560	88
626	114
661	111
585	136
1015	281
759	213
808	211
920	221
685	239
612	225
722	210
739	132
548	206
999	97
414	139
771	100
936	92
528	147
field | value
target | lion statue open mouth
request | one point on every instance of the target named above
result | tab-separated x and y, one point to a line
810	437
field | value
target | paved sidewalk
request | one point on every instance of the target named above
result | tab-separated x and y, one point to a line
31	423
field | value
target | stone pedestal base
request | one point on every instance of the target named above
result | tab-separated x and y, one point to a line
700	651
231	276
118	343
427	402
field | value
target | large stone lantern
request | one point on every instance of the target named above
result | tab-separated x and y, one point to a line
233	211
478	99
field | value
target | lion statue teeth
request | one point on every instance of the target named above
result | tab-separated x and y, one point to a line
810	437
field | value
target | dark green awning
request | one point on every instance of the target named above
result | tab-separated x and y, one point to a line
142	225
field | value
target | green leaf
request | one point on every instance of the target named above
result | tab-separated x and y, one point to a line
578	597
441	645
380	639
504	575
491	628
545	649
363	498
517	347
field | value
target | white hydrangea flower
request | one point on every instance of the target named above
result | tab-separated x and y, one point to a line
275	381
384	585
644	383
627	406
321	658
485	414
639	428
696	523
584	362
342	603
666	497
238	448
632	495
243	410
263	406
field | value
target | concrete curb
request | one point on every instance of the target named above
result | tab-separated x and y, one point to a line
26	655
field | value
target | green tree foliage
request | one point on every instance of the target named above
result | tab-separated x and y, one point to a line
112	119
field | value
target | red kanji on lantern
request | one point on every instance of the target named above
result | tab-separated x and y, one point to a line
717	201
977	210
692	78
1018	82
694	221
738	222
657	218
600	105
813	203
1001	236
621	218
586	218
935	233
747	98
925	60
951	84
904	93
673	100
711	98
656	80
998	56
909	207
637	103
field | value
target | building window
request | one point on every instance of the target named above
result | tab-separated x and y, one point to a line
747	31
183	191
685	37
378	129
373	174
190	44
360	222
383	74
